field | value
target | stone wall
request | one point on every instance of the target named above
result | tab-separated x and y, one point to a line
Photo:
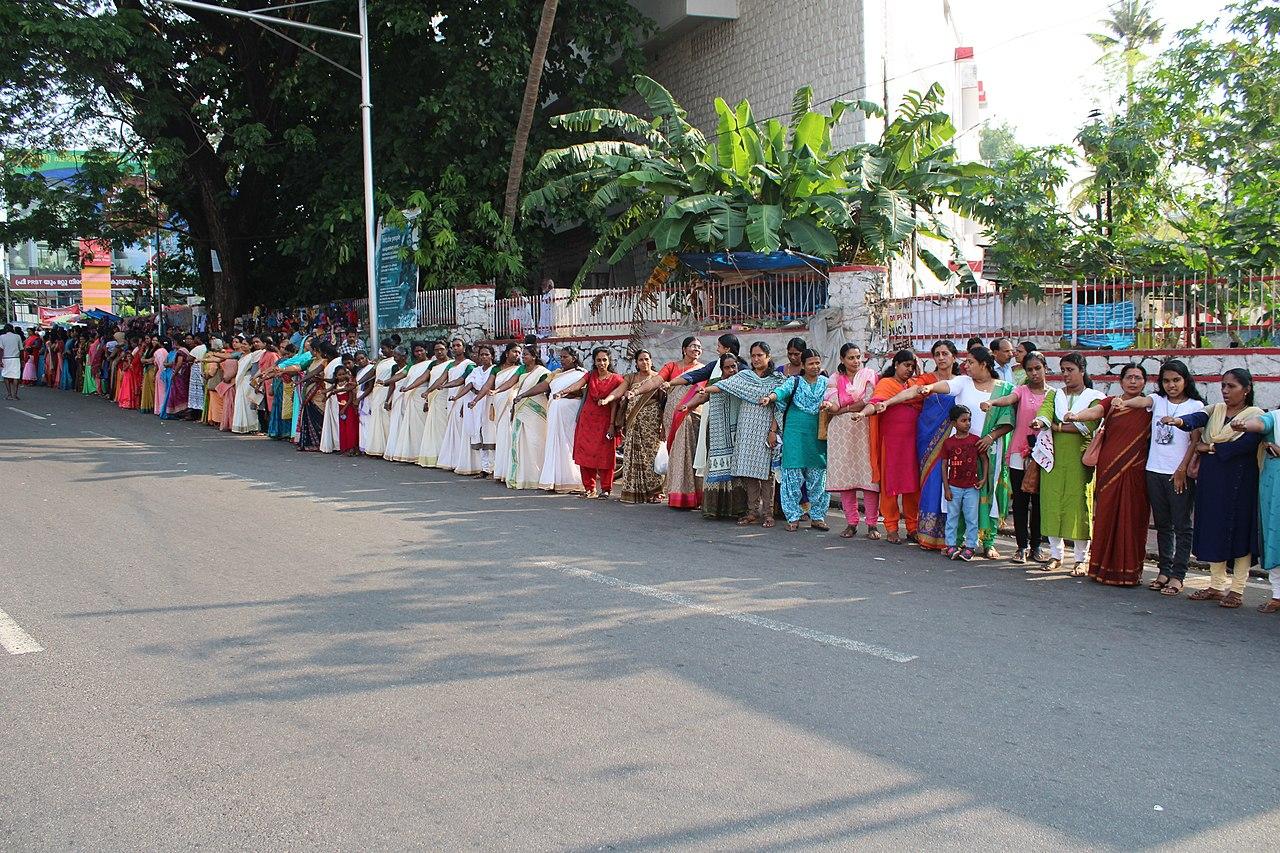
473	311
1207	366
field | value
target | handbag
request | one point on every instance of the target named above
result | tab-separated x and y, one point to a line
1031	477
824	418
1094	449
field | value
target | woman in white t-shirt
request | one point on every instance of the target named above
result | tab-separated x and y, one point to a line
1169	490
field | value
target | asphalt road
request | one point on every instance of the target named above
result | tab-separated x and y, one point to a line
248	647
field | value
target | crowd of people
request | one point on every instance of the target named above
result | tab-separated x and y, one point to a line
943	457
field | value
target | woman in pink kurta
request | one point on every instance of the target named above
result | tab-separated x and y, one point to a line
849	442
160	356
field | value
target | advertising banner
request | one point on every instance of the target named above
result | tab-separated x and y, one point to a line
397	277
48	315
95	274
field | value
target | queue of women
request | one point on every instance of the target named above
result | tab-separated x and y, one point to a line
943	457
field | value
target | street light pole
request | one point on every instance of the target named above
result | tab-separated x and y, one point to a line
269	22
370	222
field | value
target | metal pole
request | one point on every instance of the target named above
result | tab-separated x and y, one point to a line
370	222
1075	313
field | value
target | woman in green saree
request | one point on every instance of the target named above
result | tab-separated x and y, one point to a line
992	424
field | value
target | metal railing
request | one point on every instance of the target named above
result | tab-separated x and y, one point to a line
436	308
774	300
1160	313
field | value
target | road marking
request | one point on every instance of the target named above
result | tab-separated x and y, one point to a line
735	615
14	640
28	414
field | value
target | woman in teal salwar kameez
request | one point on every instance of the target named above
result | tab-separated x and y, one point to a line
804	455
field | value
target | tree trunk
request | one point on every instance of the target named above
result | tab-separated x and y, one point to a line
527	108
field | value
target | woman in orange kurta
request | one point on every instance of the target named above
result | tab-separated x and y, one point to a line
893	446
1119	544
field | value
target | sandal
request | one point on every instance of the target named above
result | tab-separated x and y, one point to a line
992	554
748	520
1158	584
1272	606
1231	600
849	532
893	539
819	525
768	522
1054	565
913	539
873	534
1206	594
793	526
1170	589
1079	571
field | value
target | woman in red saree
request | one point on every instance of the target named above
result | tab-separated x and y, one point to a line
595	443
131	377
894	464
1120	508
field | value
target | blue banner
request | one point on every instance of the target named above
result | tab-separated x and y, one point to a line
397	276
1099	320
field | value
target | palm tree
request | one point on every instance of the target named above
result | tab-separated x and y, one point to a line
531	86
1131	26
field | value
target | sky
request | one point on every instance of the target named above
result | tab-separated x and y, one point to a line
1038	66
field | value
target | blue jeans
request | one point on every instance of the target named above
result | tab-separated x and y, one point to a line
963	501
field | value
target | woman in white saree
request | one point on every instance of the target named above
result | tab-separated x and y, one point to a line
528	424
497	420
559	473
407	417
244	417
437	405
454	445
373	428
476	451
329	434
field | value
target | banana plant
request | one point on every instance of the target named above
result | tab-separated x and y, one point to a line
759	186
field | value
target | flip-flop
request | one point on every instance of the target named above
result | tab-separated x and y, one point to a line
1169	588
849	532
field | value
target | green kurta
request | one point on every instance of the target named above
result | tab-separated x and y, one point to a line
801	447
1066	492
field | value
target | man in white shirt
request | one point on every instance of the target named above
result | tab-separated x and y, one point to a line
1002	350
10	361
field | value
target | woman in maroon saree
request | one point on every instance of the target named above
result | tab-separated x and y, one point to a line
1120	512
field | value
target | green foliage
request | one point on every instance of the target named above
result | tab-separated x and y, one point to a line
1183	180
456	245
756	185
255	143
996	142
1131	26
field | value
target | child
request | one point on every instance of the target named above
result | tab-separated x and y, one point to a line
961	474
344	388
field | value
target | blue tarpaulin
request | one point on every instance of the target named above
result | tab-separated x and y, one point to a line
99	314
750	261
1099	320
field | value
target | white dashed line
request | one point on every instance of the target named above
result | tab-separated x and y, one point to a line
14	640
28	414
735	615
